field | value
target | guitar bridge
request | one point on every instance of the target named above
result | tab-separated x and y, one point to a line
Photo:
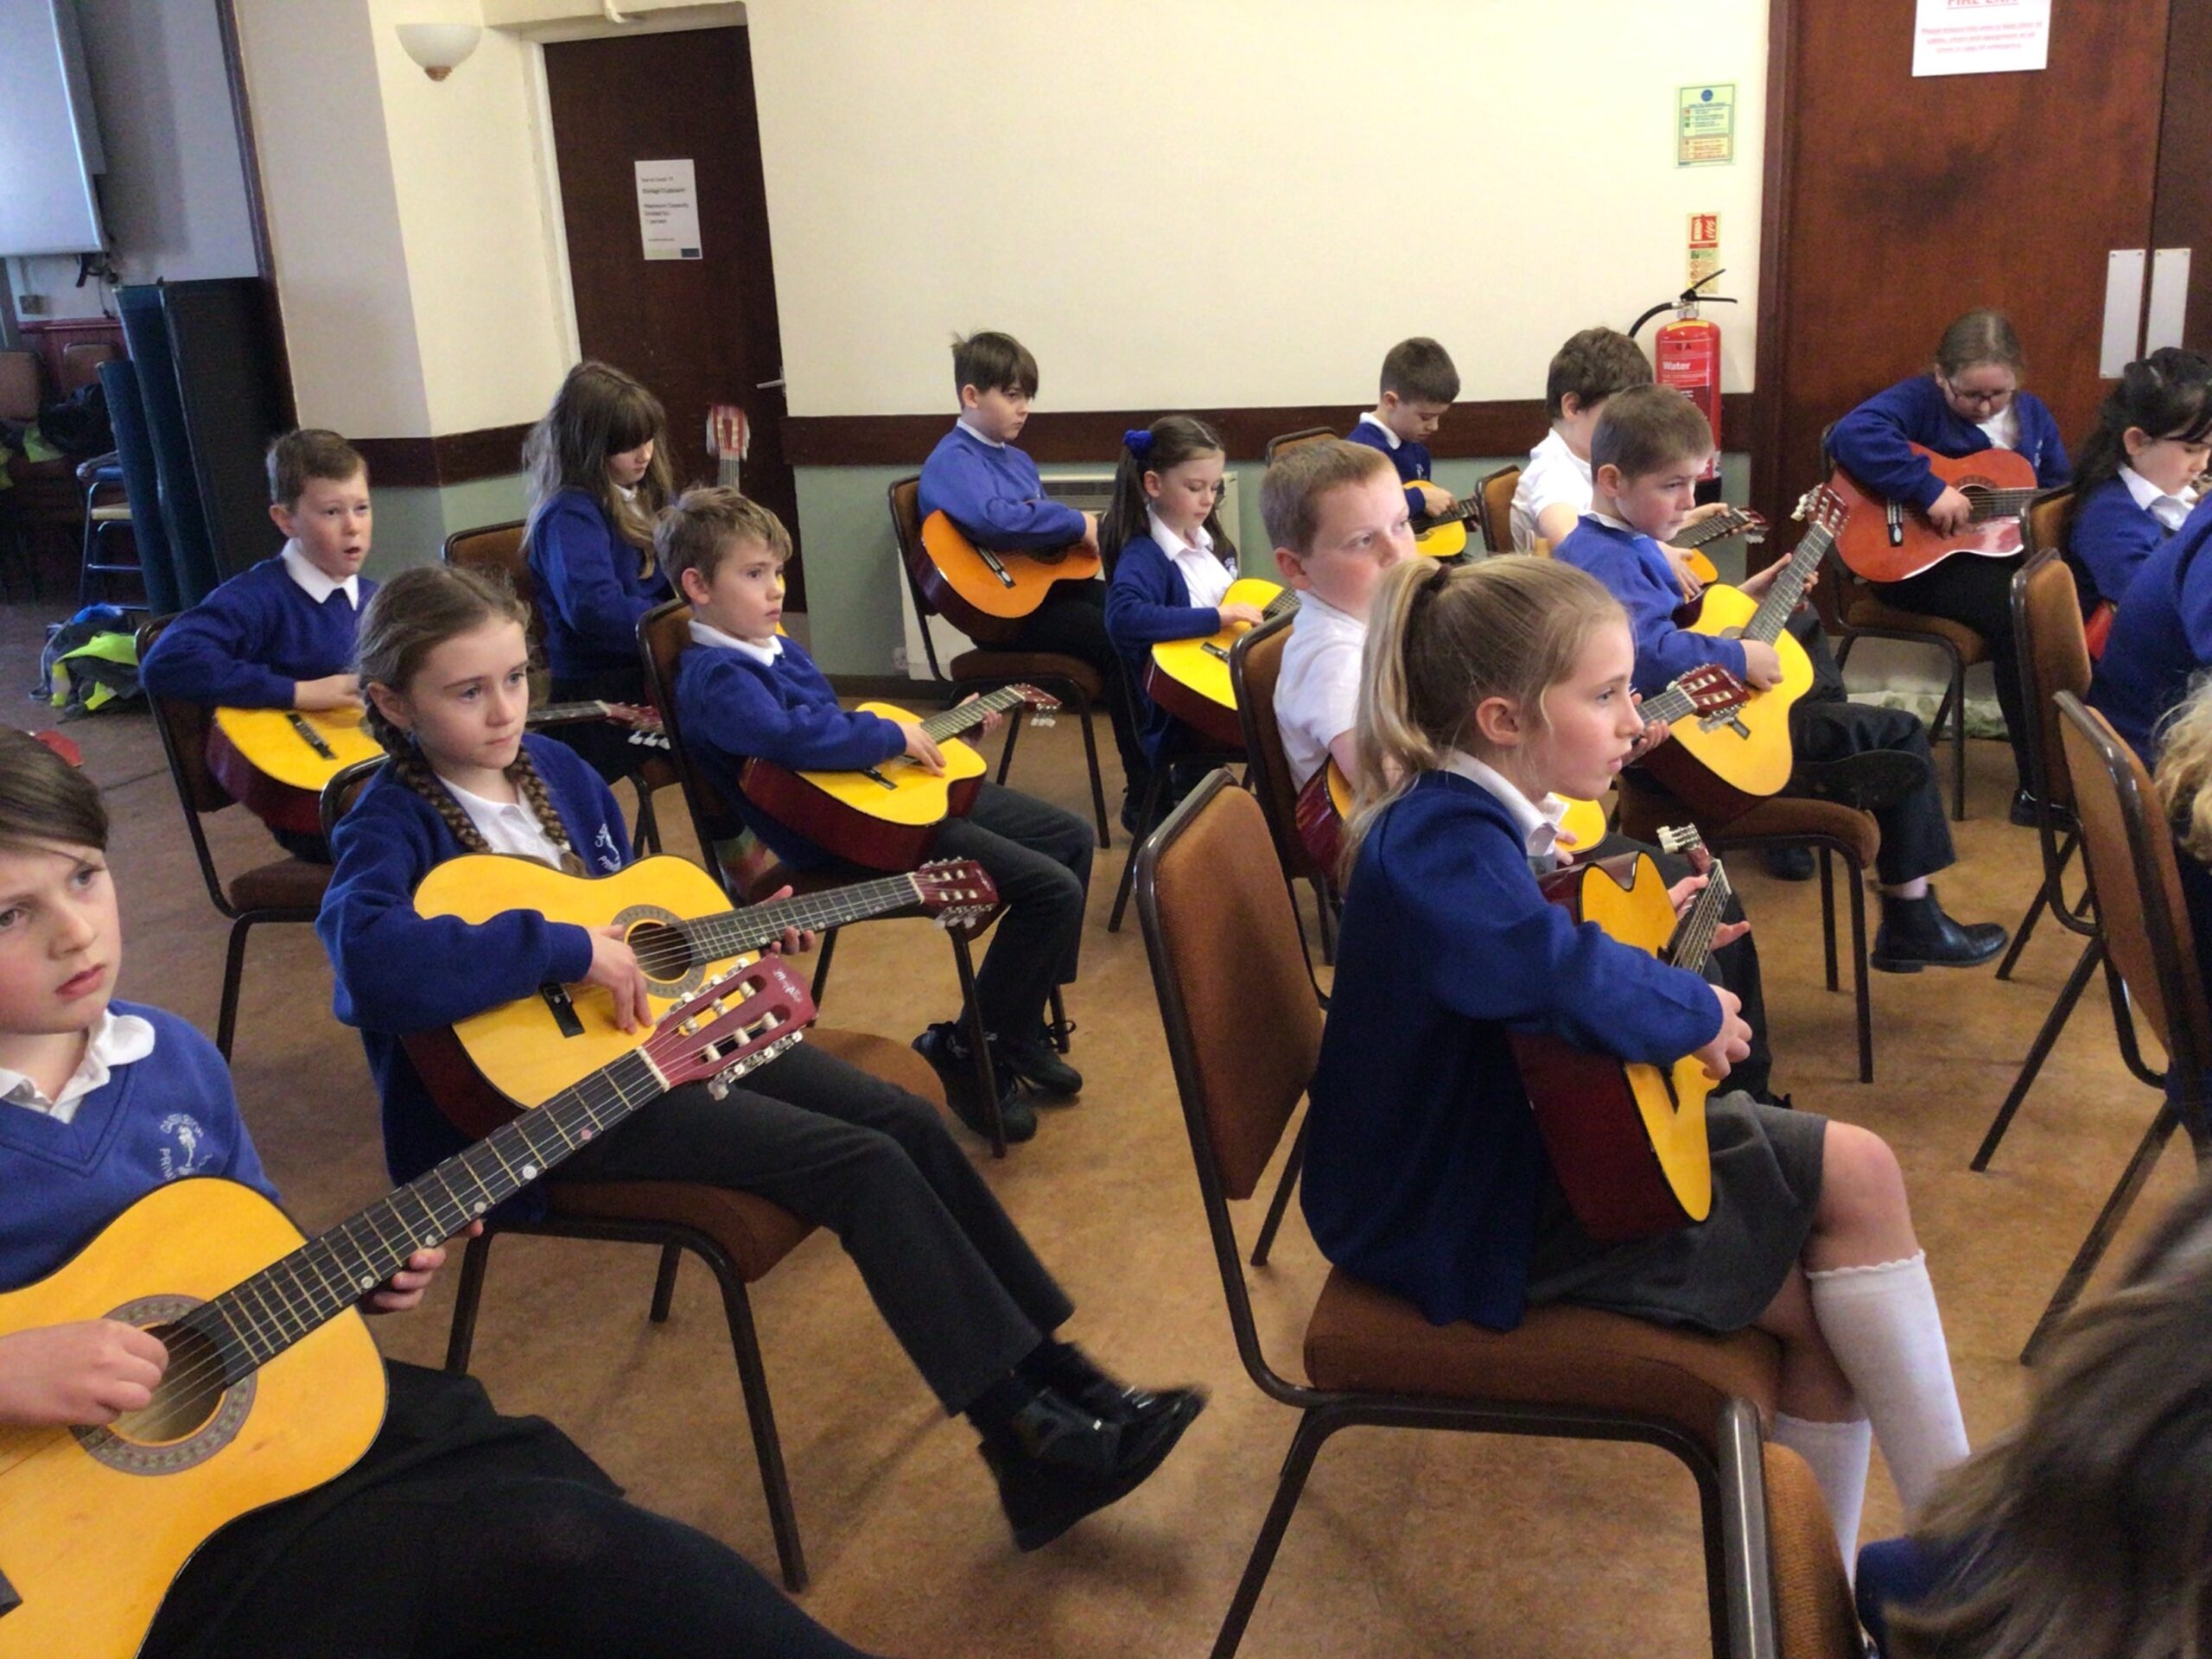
992	563
1726	719
564	1009
1212	650
874	775
310	736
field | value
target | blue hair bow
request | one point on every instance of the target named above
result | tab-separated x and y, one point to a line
1138	442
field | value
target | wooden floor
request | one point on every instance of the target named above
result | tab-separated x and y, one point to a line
1406	1543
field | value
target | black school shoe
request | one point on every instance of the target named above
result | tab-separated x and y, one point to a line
945	1046
1036	1063
1789	863
1915	934
1056	1462
1870	780
2023	811
1075	1375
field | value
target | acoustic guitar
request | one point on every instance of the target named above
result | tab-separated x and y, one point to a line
1628	1141
1190	677
1887	541
484	1070
1723	762
989	596
277	760
273	1385
884	817
1325	804
1446	535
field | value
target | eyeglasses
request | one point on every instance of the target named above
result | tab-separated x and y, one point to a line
1980	399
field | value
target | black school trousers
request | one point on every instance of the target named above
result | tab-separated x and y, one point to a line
1072	621
948	1269
1978	593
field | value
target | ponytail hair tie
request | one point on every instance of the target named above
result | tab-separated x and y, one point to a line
1138	442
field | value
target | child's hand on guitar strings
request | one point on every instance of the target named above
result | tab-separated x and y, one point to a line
331	693
1950	510
922	749
1762	664
1685	892
1686	576
403	1292
79	1375
1654	734
1250	615
1733	1041
992	720
1435	500
797	941
615	969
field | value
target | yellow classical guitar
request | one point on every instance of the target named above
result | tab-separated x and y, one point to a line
681	926
1190	677
273	1385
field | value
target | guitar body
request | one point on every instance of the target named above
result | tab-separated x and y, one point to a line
95	1525
1722	764
1324	808
260	758
989	602
1190	677
1864	544
1628	1141
882	819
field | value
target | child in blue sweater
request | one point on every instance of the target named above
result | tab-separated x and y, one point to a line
446	667
2136	478
1420	385
1489	688
1168	565
994	492
1646	453
1969	401
599	478
456	1520
747	691
281	635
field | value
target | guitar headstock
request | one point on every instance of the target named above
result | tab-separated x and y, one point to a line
1821	509
959	893
1751	526
1038	703
1711	689
1680	839
725	433
734	1023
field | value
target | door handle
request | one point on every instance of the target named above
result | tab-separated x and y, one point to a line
768	386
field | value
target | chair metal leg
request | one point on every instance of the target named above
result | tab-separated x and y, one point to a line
1006	749
979	1042
1061	1029
823	953
2100	1234
1828	914
671	1258
1957	698
1325	908
1152	788
1858	970
2054	1022
461	1341
226	1021
1276	1205
1097	777
2027	926
1314	1429
648	840
767	1446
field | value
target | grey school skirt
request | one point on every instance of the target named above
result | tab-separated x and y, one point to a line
1721	1273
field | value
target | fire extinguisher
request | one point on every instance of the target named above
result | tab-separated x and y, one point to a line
1688	351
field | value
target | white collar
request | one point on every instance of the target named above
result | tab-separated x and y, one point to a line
116	1039
1374	419
706	633
1612	522
2148	496
316	584
969	429
1538	822
1313	606
1173	544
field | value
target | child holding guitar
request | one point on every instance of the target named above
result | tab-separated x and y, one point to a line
456	1520
444	661
1647	451
1488	689
2136	477
1419	384
1970	401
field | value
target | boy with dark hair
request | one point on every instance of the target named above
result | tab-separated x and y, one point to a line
1555	488
280	635
1646	451
995	494
1419	385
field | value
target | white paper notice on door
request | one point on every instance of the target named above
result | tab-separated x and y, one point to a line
1980	37
668	210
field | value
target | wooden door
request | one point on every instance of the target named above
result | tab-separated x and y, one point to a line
699	332
1892	203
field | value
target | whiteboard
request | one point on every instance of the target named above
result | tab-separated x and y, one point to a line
50	143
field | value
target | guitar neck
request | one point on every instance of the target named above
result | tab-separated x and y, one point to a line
2000	504
1280	604
734	932
556	713
1674	704
1692	945
1788	590
968	716
1719	527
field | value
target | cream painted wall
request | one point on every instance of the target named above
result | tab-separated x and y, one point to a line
1316	181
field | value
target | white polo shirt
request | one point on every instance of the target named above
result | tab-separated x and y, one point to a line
1317	691
1555	475
2168	510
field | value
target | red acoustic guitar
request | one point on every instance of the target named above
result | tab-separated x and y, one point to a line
1887	541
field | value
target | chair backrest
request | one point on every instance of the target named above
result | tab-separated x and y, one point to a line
1814	1616
1292	440
904	497
1243	1025
2131	858
184	727
19	386
1494	507
502	550
81	360
1255	664
344	788
2054	657
663	635
2049	520
142	485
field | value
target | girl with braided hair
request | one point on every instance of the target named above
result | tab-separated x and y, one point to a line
444	666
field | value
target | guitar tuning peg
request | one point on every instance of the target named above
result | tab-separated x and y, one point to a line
718	1087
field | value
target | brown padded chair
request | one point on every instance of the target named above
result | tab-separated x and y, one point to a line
1287	441
739	1235
2134	867
1494	507
283	890
1226	962
663	637
986	668
1828	827
501	550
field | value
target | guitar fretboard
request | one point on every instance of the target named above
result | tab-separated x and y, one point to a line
968	715
1783	599
732	932
1719	527
2000	503
1692	944
1281	604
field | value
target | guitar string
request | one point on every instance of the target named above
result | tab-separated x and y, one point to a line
711	939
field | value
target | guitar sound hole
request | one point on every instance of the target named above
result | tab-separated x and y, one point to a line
189	1393
661	953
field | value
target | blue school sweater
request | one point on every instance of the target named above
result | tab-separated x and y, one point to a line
1411	459
396	972
1424	1170
995	493
733	708
2161	639
160	1119
247	644
1872	440
2111	538
589	590
1147	602
1636	573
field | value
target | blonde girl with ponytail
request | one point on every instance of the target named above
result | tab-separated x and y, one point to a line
1488	690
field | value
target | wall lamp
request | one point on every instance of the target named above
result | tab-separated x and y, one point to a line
439	48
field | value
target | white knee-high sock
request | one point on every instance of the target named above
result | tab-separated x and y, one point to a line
1882	1324
1837	1454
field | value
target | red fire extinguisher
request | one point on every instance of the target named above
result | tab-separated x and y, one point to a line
1688	354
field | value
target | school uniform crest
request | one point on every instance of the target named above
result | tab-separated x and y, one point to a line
610	856
185	1150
